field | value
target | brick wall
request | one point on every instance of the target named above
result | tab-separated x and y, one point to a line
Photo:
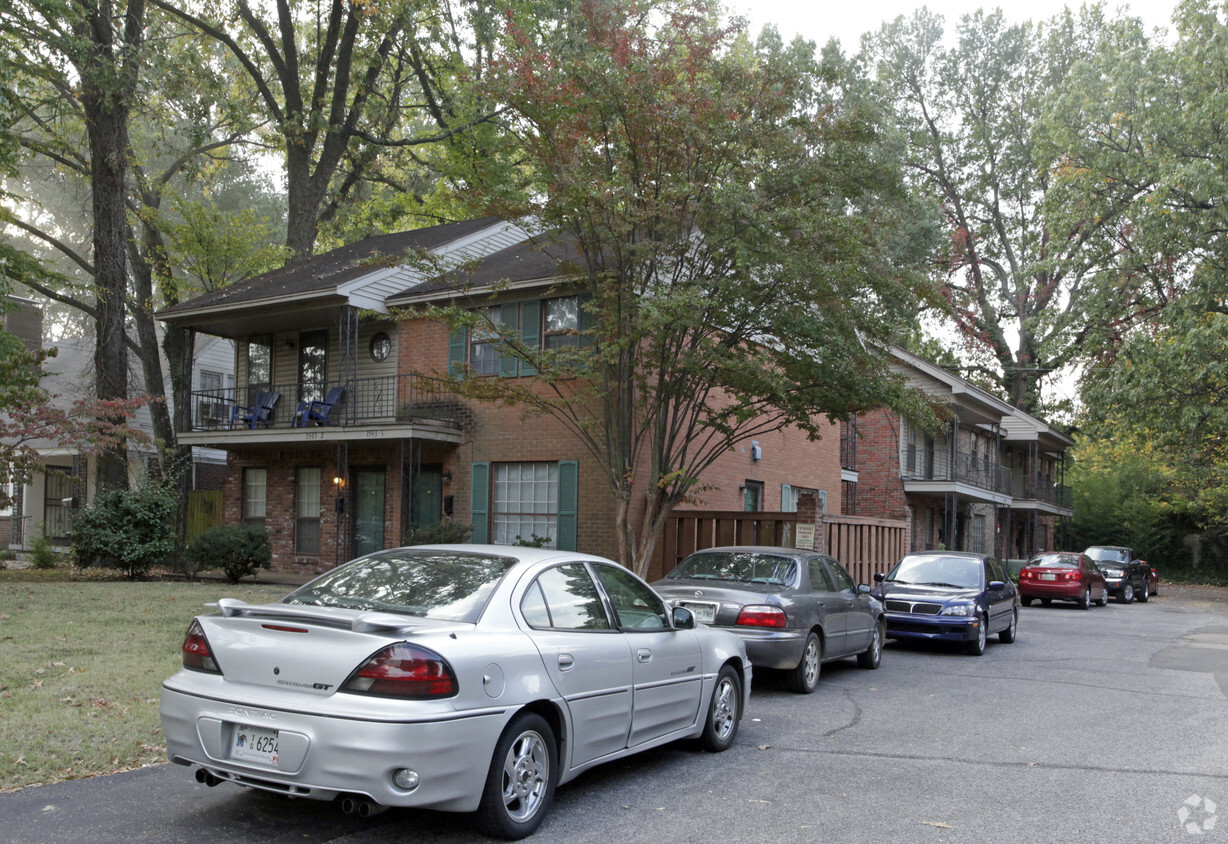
880	492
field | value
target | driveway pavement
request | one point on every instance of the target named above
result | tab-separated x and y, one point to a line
1103	725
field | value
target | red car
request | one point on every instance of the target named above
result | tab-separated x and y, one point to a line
1062	576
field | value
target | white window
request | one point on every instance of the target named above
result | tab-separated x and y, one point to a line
307	511
525	502
255	491
483	343
10	492
561	319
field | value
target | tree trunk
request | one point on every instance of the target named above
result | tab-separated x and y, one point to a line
106	125
108	80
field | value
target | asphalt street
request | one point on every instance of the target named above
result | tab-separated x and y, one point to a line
1101	725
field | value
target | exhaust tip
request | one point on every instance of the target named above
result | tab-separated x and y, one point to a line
205	777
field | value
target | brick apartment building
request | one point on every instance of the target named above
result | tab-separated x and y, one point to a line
398	449
993	481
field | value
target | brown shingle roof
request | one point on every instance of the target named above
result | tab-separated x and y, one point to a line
538	258
323	273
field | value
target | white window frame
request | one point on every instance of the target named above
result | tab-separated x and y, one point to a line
524	502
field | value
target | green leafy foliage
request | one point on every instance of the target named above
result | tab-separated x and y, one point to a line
1127	491
446	532
238	550
131	530
42	556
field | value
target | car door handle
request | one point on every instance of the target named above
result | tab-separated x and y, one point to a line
566	661
643	655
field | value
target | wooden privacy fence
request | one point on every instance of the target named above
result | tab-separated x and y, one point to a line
204	511
866	546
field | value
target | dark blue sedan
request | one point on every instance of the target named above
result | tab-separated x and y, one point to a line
949	596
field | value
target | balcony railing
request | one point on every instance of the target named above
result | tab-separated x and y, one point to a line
848	449
966	468
1036	488
384	400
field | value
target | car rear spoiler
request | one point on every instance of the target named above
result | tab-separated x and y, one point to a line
368	622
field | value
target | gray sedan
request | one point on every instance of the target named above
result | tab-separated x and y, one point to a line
466	678
794	609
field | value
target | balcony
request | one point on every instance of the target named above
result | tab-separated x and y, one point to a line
970	470
391	400
1041	489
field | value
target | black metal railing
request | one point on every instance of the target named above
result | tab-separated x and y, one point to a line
975	470
387	399
1039	488
848	448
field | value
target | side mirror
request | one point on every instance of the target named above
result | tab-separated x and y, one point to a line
879	577
863	589
684	619
997	585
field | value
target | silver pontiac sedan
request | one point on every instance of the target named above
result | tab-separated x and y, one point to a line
466	678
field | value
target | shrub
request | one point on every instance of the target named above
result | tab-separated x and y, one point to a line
238	550
41	555
132	530
440	533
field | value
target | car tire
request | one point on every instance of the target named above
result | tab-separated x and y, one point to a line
1008	635
1027	602
805	678
520	784
1142	595
1103	600
872	656
724	712
977	646
1085	600
1127	593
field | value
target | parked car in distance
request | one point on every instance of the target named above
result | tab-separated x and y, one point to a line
1153	582
949	596
794	609
1062	576
1128	577
466	678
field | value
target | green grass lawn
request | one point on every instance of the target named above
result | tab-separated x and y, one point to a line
81	669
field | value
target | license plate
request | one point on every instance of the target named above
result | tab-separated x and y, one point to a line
705	613
1048	577
254	744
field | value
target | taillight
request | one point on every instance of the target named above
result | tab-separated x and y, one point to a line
761	616
1072	575
1025	574
196	652
405	671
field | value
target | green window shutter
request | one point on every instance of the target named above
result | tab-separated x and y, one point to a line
509	320
530	331
479	503
569	493
456	351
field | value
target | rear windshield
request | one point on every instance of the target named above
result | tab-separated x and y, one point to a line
448	585
740	566
1069	560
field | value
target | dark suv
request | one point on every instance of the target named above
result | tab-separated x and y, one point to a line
1126	576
